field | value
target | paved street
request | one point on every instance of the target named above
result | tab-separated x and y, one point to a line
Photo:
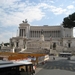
59	66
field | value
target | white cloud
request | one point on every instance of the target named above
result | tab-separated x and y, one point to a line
12	13
52	8
70	7
47	1
57	10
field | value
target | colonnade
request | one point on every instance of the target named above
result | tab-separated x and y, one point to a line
37	33
22	32
45	33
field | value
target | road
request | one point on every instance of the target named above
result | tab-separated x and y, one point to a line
59	66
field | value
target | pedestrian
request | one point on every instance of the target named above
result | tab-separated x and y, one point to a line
53	58
34	67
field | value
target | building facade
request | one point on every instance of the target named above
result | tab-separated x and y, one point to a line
34	32
31	36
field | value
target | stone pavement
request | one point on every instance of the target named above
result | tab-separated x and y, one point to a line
60	65
39	67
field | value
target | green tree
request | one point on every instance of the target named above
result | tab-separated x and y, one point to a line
69	22
5	44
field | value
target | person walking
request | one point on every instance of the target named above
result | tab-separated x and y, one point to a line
53	58
34	67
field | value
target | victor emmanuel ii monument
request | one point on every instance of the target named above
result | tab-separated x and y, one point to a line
37	38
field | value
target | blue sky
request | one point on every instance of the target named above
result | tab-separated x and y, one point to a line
37	12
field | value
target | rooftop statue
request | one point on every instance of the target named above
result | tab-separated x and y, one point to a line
42	31
2	44
25	21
